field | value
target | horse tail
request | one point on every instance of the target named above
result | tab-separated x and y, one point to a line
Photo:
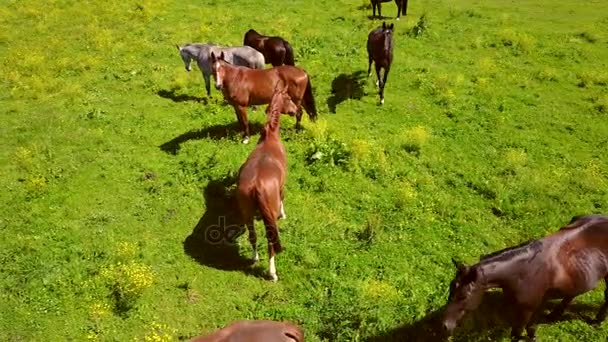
270	221
289	60
309	101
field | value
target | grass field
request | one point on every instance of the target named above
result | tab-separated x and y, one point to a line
114	165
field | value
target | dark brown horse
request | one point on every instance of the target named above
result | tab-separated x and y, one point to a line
255	331
564	265
401	7
380	51
243	87
261	180
276	50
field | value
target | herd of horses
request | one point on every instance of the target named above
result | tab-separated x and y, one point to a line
563	265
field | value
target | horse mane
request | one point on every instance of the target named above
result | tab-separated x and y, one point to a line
511	252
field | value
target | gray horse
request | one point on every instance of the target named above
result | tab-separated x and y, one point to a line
238	55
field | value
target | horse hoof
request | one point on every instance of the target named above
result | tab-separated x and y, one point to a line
382	101
273	277
246	140
397	18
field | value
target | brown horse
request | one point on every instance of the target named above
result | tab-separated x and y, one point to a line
276	50
564	265
380	51
401	7
243	87
261	180
255	331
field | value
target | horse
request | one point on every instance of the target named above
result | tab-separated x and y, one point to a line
401	7
563	265
276	50
261	180
237	55
380	51
255	331
243	87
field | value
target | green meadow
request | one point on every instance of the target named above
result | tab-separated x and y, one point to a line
114	165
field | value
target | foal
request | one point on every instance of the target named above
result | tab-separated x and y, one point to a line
564	265
261	180
255	331
380	51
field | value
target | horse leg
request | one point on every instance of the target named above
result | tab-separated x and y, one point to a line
524	319
399	3
559	310
373	9
207	77
274	247
386	70
253	240
379	81
241	115
601	314
369	63
282	215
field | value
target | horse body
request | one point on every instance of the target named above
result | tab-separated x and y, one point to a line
237	55
255	331
401	7
261	180
276	50
563	265
380	51
243	87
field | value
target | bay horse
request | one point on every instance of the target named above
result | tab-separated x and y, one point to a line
565	264
401	7
201	52
380	51
276	50
261	180
243	87
255	331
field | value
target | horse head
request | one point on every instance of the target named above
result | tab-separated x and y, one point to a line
218	70
466	291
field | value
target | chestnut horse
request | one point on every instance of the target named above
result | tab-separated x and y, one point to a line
261	180
380	51
255	331
563	265
243	87
276	50
401	7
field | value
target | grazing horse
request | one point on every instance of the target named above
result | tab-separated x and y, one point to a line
380	51
261	180
237	55
255	331
276	50
243	87
563	265
401	7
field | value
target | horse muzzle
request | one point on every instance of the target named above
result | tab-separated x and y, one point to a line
449	326
188	69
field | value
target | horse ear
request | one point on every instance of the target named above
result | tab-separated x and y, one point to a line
383	25
213	58
459	265
178	48
391	27
222	56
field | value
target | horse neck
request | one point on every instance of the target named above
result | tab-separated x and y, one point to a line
387	42
500	268
273	125
192	50
230	73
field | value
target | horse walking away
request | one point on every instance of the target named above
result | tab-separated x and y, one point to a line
401	7
261	180
276	50
201	52
563	265
380	51
243	87
255	331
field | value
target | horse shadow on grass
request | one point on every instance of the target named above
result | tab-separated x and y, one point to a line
491	321
215	132
172	95
213	241
345	87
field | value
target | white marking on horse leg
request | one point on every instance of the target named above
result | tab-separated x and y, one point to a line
283	215
382	101
272	271
397	18
246	140
255	257
377	83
